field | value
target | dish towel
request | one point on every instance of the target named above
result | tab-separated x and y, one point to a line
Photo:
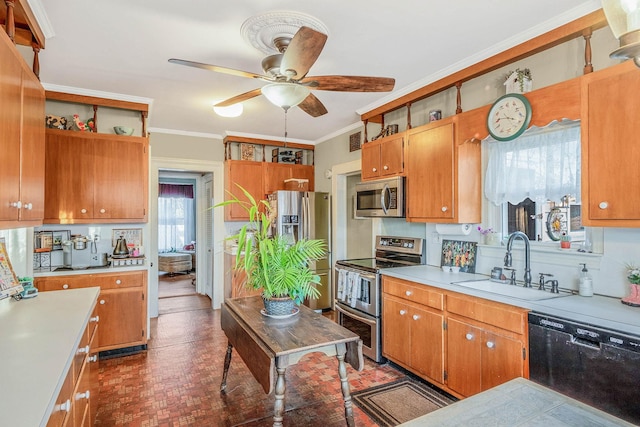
356	290
342	284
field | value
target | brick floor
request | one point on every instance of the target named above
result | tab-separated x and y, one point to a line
176	382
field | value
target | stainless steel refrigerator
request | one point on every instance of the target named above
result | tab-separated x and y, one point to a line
302	214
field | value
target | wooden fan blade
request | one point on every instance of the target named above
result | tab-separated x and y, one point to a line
239	98
302	52
351	83
218	69
312	106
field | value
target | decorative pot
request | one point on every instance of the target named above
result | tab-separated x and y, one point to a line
633	299
278	306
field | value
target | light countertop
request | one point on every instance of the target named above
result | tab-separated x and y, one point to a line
601	311
38	338
92	270
519	402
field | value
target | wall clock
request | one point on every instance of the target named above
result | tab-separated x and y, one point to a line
509	117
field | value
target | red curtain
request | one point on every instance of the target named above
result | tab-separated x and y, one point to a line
178	191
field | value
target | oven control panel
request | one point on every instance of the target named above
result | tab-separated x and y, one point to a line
401	244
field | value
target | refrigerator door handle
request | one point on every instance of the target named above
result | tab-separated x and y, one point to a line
306	220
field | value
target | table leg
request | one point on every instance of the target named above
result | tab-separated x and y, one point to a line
341	350
227	362
278	406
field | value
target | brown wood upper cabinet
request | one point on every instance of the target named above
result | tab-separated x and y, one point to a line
22	139
259	179
443	170
609	147
383	158
94	177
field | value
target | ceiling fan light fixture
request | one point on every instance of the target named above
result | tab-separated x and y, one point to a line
623	17
285	95
234	110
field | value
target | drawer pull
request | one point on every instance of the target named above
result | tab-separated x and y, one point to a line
408	293
403	312
28	206
84	395
93	358
490	344
118	282
374	169
385	167
17	204
94	319
66	406
82	350
103	210
84	211
65	286
444	209
469	337
416	317
603	205
102	301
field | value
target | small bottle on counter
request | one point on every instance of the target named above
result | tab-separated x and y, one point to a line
585	288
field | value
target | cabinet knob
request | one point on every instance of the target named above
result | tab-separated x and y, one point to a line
28	206
94	319
103	210
16	205
84	211
603	205
65	286
444	208
415	317
385	167
118	281
102	301
93	358
403	312
469	337
65	406
83	350
490	344
84	395
408	293
374	169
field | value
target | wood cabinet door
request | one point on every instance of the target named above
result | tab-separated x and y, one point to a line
464	351
32	149
370	160
121	177
248	175
427	343
121	322
502	359
274	176
430	175
69	183
10	105
392	157
396	331
609	147
304	172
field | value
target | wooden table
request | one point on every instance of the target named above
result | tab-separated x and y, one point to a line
267	346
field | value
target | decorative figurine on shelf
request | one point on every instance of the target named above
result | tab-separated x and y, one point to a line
79	123
91	124
56	122
633	276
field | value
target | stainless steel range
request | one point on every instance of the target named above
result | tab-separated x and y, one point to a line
358	288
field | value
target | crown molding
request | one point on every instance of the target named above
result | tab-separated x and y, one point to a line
269	138
41	17
97	93
344	130
153	130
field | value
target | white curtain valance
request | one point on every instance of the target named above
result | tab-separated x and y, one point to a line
542	164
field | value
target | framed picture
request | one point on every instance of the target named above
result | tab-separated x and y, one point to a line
459	253
59	237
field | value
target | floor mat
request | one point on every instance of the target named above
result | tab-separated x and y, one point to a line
400	401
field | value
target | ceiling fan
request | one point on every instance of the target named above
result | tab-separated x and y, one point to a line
286	73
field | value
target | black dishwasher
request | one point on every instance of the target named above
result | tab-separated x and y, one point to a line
596	366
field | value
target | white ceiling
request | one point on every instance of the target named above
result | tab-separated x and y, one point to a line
122	47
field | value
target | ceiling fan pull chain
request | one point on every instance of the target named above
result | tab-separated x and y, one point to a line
285	127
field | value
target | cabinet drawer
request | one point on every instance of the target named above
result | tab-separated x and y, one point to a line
420	294
496	314
122	280
60	283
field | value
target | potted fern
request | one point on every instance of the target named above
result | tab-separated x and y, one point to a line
273	263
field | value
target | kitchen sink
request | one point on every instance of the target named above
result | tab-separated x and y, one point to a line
517	291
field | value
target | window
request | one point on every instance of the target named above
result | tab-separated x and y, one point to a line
535	181
176	216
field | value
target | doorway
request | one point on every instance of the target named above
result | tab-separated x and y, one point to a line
210	230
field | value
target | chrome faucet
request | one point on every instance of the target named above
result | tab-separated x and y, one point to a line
527	255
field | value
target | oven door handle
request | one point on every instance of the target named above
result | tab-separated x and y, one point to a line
369	276
350	313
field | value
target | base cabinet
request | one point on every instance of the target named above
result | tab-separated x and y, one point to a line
122	305
461	344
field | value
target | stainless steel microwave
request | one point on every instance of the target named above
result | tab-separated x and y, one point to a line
383	198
